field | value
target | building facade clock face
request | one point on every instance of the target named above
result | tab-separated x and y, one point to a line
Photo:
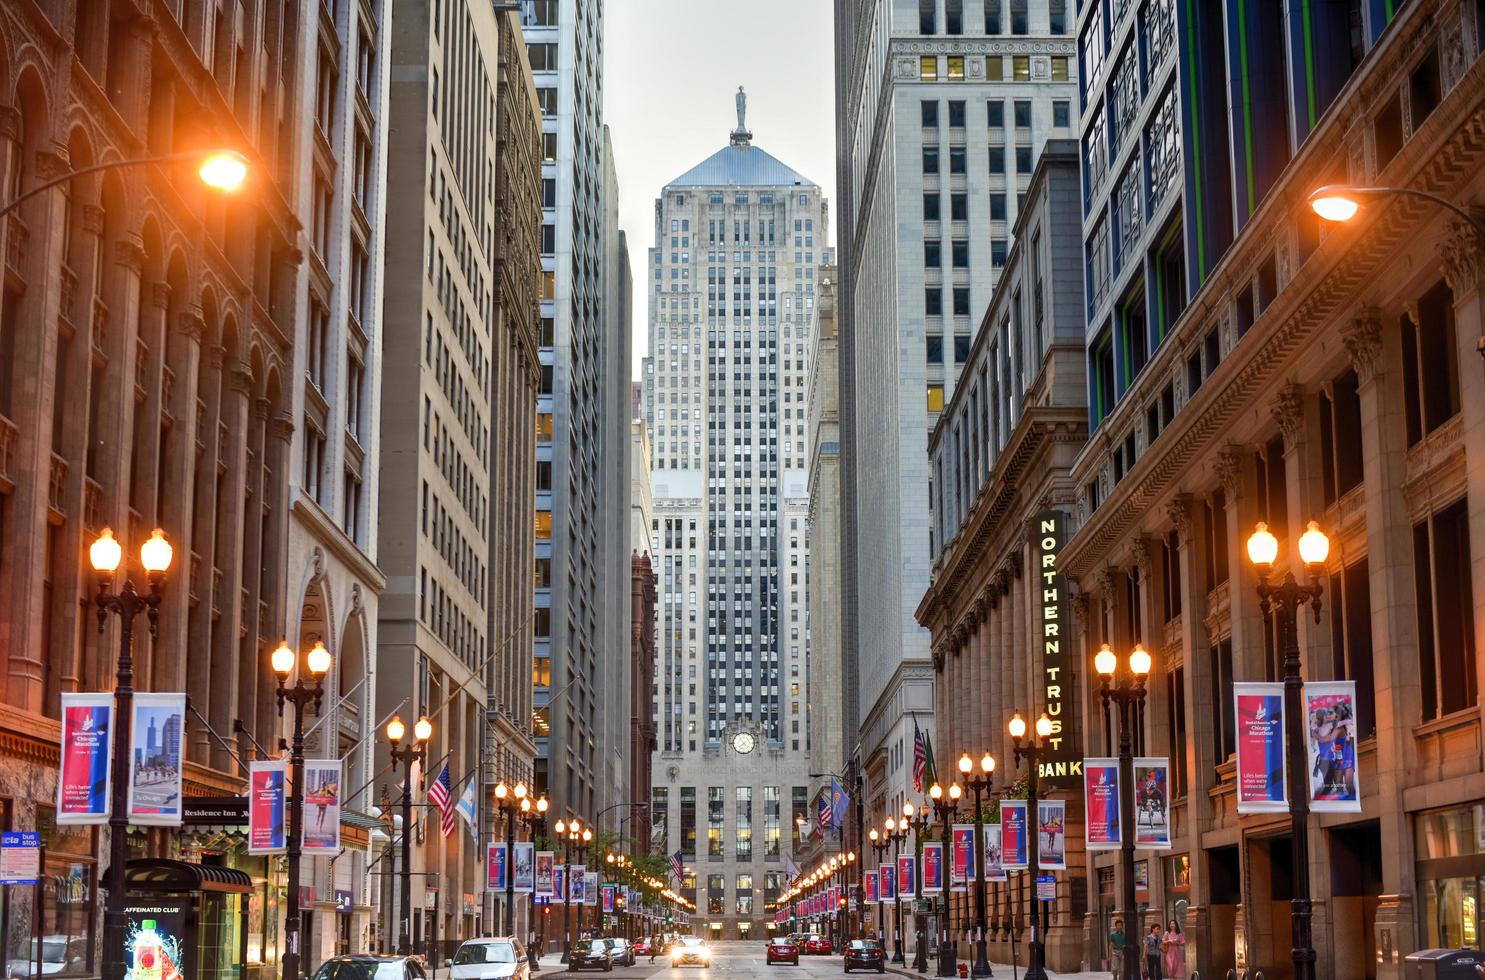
743	742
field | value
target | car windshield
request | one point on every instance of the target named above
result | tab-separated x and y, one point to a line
362	970
484	953
691	941
863	944
582	945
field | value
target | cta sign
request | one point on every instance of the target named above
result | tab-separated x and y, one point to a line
1061	765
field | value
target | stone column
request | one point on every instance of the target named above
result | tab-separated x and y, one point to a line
177	492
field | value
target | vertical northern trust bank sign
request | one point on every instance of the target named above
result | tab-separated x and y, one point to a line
1062	764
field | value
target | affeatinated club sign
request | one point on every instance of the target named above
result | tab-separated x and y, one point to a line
1061	765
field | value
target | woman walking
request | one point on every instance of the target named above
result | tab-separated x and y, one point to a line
1174	945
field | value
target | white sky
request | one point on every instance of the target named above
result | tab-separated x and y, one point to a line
671	70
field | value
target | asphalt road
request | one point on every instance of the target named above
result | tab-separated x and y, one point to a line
734	960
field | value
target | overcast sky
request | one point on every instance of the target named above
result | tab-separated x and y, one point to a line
671	70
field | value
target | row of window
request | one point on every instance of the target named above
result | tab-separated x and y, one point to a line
1001	16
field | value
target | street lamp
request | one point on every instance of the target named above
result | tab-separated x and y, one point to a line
945	806
283	661
1032	750
574	837
1125	689
918	821
220	169
509	802
414	751
979	783
1287	598
879	846
105	555
898	833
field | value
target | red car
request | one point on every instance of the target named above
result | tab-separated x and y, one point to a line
782	950
642	947
818	945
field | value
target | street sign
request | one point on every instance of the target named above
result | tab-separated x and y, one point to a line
20	858
1046	888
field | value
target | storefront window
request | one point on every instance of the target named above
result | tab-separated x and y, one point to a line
49	928
1451	875
1177	887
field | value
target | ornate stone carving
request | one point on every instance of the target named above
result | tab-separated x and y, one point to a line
91	216
1139	555
240	377
10	123
191	325
50	166
1451	43
1229	467
1363	340
1288	411
130	255
1105	580
160	295
1179	513
261	407
1463	257
281	428
216	356
1080	609
317	562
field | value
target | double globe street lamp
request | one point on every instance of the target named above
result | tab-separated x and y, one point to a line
283	660
945	806
1126	690
515	804
897	833
1032	750
407	754
979	783
879	848
574	837
105	554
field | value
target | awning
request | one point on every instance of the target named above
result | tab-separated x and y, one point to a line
152	875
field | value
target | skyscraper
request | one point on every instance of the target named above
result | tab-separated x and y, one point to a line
931	189
732	283
582	450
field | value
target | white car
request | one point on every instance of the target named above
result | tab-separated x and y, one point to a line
495	958
690	949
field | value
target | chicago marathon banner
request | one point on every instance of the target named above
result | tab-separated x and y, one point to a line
1259	710
994	869
962	867
1330	743
887	882
496	867
869	883
933	868
907	874
156	740
590	887
321	806
546	868
1013	836
524	867
85	781
1051	842
1101	801
266	831
1152	803
559	884
609	891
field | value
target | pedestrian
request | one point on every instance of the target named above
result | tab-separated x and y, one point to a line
1174	945
1152	954
1116	948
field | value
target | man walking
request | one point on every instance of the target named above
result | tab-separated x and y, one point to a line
1116	949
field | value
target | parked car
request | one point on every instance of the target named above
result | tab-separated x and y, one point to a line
692	950
494	958
643	946
865	954
818	945
591	954
365	966
623	950
783	950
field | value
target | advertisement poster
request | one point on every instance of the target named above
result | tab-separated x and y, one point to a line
559	884
590	888
156	945
576	877
321	818
266	834
1101	799
1260	748
546	868
1152	803
907	876
1051	841
869	883
933	868
608	897
525	867
496	867
20	858
886	882
1013	838
994	870
962	868
155	760
85	783
1330	744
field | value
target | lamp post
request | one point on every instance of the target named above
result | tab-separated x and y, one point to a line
1032	750
407	754
979	784
301	695
898	833
534	815
1126	690
510	802
879	846
1287	598
222	170
574	837
918	821
945	806
105	554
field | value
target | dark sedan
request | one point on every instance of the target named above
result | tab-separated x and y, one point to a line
865	954
591	954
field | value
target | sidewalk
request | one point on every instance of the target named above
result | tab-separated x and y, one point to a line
999	970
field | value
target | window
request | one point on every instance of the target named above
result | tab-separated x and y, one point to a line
995	114
1059	68
744	833
1214	527
1430	367
1057	17
959	207
1341	467
744	891
798	817
994	68
933	301
961	348
956	67
997	160
953	16
935	398
1351	635
960	249
956	159
961	301
931	206
1446	621
930	160
1170	575
928	68
992	16
926	18
956	114
67	899
1222	701
1023	160
715	817
716	894
1020	22
1175	713
1061	114
997	252
1134	343
1021	67
770	822
935	348
932	253
1022	114
930	114
997	206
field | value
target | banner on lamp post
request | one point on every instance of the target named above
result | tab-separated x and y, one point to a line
590	888
1259	710
933	868
1103	829
546	874
994	869
869	882
907	874
321	817
1152	803
85	780
266	796
963	868
156	738
1014	839
887	882
524	867
1330	741
496	867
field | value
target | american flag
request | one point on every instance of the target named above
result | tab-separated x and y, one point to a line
823	822
920	757
678	868
441	792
